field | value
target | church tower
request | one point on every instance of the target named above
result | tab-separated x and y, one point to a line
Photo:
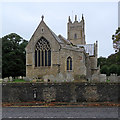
76	31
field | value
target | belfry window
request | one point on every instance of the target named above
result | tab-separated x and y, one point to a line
69	63
42	53
75	36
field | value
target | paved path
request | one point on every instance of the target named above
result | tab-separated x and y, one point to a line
54	112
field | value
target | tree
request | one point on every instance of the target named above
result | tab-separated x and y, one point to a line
116	40
102	61
105	70
118	58
23	55
13	51
113	69
118	70
112	59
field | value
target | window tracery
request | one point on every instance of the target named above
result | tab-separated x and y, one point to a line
42	53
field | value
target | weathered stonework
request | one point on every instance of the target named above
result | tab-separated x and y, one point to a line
83	61
61	92
91	93
49	94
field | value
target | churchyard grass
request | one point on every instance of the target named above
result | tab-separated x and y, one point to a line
107	80
18	80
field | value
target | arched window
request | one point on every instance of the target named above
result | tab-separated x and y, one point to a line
42	53
69	63
75	36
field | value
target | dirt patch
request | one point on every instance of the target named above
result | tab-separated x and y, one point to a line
60	104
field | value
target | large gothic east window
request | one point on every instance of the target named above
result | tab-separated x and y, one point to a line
42	53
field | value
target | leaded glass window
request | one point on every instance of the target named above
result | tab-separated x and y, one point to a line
75	36
39	57
35	58
42	53
69	63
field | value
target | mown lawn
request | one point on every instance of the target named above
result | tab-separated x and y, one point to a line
18	80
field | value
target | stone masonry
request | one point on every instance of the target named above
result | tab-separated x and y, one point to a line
83	57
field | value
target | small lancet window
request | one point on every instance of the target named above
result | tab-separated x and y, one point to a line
69	63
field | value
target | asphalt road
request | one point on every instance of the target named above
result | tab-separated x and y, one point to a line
54	112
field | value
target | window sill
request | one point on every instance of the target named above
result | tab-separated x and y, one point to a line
29	65
69	70
42	67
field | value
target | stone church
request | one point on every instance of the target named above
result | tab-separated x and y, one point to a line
53	58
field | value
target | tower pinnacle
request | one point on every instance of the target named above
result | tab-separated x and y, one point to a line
75	17
82	17
69	19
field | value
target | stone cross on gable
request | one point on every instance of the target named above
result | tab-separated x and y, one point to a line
42	17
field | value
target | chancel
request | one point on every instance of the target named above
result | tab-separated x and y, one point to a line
55	58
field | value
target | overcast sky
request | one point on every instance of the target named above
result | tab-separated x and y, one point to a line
101	20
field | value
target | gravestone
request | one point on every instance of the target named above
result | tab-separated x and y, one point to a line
95	78
11	79
20	77
102	78
6	79
113	78
26	79
1	80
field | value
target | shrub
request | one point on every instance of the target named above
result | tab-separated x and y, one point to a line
105	70
113	69
118	70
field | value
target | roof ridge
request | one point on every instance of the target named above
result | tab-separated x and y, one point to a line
55	36
66	40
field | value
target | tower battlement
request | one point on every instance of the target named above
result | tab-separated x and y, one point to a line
76	31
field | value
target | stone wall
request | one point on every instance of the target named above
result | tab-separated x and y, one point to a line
113	78
60	92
